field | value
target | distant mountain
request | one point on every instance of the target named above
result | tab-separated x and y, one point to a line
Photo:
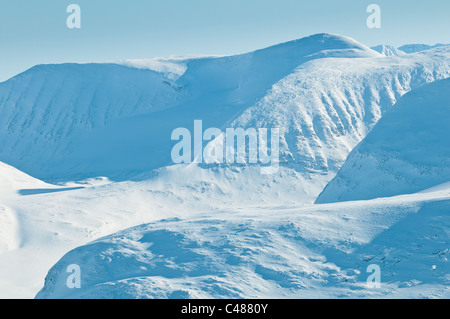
73	121
12	180
406	152
413	48
388	50
324	92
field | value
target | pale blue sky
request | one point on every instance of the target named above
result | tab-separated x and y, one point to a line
34	31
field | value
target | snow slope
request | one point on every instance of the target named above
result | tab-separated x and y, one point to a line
407	151
325	107
10	180
43	108
320	251
23	257
74	121
50	220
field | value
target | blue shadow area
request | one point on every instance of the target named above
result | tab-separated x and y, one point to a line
37	191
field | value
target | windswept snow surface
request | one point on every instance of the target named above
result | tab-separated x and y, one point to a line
320	251
43	221
407	151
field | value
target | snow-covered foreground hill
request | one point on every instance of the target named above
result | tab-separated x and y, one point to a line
44	221
272	252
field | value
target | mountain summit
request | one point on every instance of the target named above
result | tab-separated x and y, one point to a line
324	92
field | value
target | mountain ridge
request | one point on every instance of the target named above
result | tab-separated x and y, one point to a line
405	152
56	137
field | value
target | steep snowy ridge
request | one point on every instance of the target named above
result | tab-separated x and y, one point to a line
388	50
121	124
54	132
407	151
326	106
43	108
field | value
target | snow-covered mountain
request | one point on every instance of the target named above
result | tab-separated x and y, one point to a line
387	50
327	106
108	128
325	92
407	151
413	48
71	121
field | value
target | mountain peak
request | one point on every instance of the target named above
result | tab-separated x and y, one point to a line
388	50
323	42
